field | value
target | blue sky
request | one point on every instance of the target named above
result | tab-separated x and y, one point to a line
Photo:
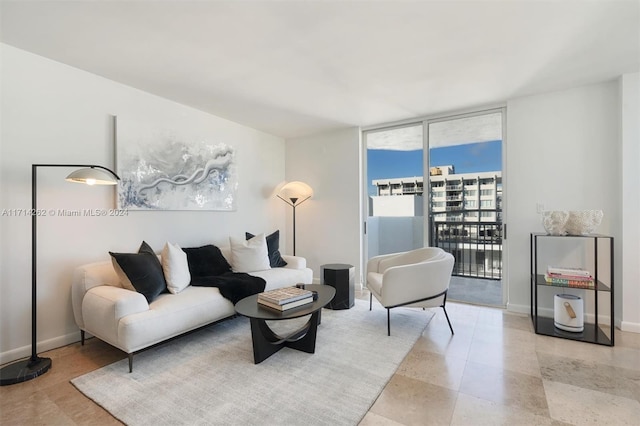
467	158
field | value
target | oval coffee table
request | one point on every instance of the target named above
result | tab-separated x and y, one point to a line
266	342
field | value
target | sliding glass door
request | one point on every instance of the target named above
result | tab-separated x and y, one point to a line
465	215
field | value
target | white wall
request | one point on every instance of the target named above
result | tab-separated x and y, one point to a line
328	225
630	183
52	113
392	234
563	151
397	205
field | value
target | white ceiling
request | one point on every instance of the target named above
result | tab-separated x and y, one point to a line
293	68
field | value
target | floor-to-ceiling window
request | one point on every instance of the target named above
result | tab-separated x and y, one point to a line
394	179
438	182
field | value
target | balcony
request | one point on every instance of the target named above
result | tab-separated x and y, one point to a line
412	190
474	290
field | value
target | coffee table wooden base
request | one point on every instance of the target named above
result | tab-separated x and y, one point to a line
266	342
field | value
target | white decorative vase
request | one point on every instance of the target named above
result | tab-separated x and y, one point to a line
583	222
554	221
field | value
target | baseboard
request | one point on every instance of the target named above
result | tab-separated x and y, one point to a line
519	309
43	346
632	327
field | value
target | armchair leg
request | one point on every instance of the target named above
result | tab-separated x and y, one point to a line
82	337
447	316
130	363
388	322
370	300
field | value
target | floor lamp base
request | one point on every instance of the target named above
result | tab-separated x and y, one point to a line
24	370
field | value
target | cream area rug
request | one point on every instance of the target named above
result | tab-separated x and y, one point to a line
209	378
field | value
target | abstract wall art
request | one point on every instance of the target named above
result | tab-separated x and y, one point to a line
172	169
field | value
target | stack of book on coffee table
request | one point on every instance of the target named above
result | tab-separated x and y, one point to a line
285	298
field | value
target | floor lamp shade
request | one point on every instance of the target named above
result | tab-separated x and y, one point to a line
34	366
294	194
93	176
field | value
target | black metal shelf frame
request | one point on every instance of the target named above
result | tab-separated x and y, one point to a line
592	332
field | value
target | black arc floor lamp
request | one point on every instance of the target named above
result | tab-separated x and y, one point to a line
34	366
294	194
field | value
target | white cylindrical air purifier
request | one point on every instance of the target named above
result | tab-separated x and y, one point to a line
568	312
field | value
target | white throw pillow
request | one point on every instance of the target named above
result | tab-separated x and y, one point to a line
249	255
175	268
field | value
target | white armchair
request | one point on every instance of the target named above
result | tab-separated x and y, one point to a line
417	278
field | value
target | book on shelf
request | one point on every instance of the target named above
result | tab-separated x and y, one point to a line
286	306
570	277
285	295
565	270
564	282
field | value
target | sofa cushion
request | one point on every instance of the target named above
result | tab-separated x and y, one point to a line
140	271
171	315
249	255
175	267
206	261
273	248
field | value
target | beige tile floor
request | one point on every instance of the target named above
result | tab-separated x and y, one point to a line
494	370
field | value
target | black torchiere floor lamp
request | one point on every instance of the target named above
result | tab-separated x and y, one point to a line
294	194
34	366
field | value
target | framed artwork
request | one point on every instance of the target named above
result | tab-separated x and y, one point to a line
172	169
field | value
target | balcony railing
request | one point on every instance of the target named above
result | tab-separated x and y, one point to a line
475	245
475	242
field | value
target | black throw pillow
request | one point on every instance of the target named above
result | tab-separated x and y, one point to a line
143	271
206	261
273	249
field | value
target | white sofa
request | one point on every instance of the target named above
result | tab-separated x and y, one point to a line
124	319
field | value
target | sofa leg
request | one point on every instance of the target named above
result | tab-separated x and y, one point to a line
130	363
370	300
447	316
388	322
82	337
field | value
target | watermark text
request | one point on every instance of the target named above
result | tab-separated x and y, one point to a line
64	212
